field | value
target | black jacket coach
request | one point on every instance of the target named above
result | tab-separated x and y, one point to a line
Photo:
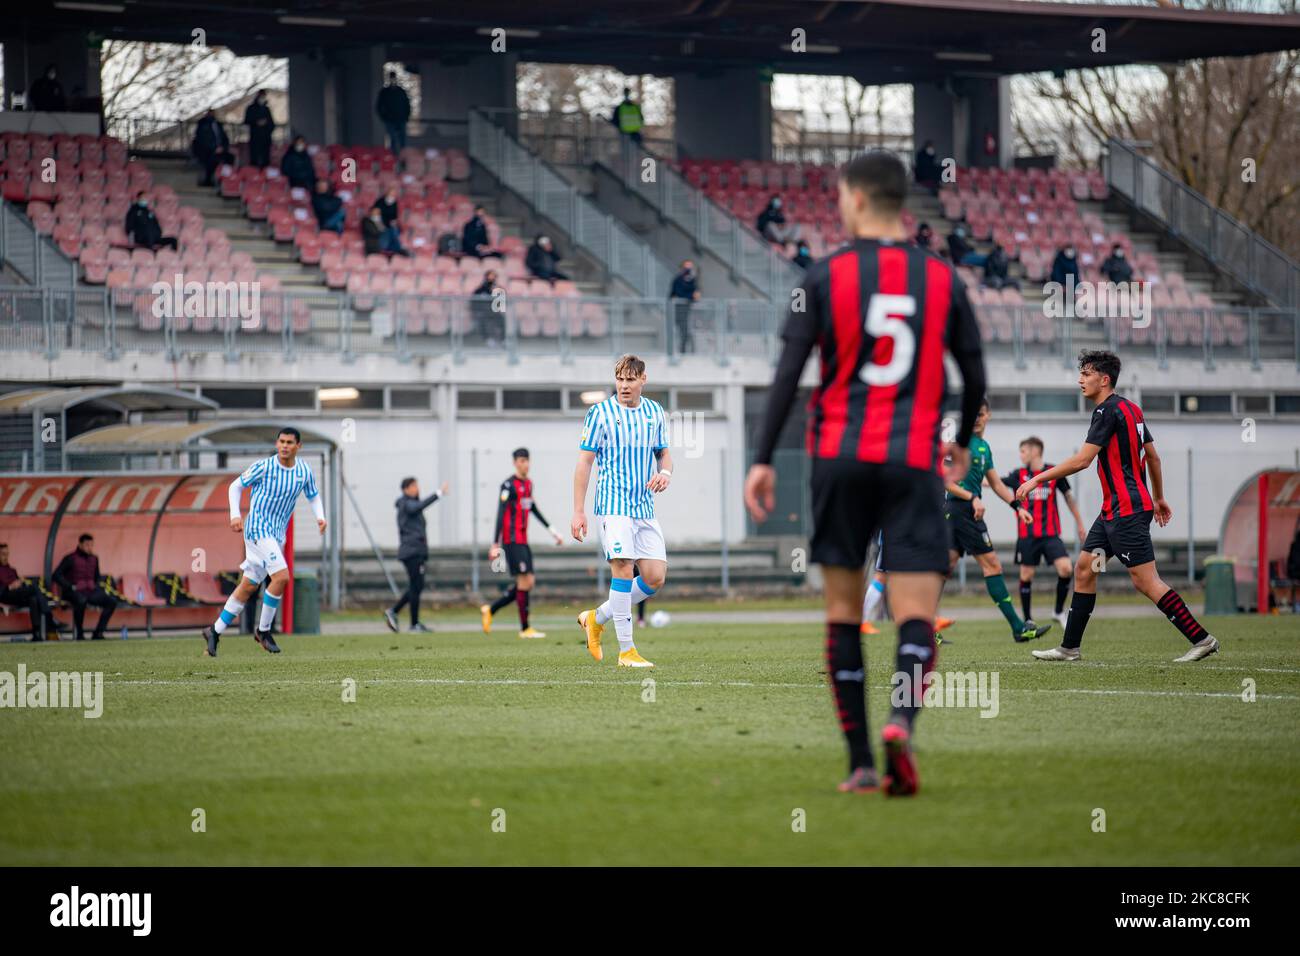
414	542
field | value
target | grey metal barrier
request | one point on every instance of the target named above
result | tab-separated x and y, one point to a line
35	258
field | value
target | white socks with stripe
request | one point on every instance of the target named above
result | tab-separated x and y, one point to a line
640	591
270	604
620	605
875	592
229	615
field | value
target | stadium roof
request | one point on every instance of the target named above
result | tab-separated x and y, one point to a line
876	41
127	398
153	437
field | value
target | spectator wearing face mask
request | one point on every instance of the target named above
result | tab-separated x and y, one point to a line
961	249
46	94
296	165
771	223
685	291
211	146
1117	268
996	267
541	259
380	237
928	169
474	239
260	127
924	235
802	255
328	207
1064	265
490	322
142	226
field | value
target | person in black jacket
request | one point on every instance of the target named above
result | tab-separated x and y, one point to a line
394	108
379	238
802	257
328	207
16	592
260	127
1117	268
771	223
81	583
541	259
491	322
1293	569
142	226
46	94
474	237
685	291
996	267
1066	264
927	171
962	250
211	146
296	165
412	549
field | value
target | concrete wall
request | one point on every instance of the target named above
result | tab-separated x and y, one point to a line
723	115
956	115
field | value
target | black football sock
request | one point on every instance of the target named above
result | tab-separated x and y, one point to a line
847	673
1173	608
521	598
1080	610
1062	592
916	658
1026	598
504	599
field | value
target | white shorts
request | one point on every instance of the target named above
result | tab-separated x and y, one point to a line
632	538
262	557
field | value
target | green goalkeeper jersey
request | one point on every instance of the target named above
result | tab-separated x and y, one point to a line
981	460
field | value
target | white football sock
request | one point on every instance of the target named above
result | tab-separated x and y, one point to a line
875	593
270	604
620	603
229	614
640	591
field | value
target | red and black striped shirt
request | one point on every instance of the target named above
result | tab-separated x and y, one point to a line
1041	504
881	315
516	502
1119	430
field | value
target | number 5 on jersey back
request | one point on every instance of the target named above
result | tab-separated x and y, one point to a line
882	323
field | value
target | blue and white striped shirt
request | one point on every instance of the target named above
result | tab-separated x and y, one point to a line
275	492
625	441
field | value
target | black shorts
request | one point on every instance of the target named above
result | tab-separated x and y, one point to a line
519	558
1048	549
968	535
1127	537
852	500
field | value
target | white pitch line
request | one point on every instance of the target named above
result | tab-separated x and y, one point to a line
450	681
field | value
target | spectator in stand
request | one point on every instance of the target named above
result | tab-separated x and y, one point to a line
961	250
328	207
46	94
771	223
491	322
684	292
802	255
380	238
78	575
1065	265
1293	569
142	226
627	117
394	109
260	127
16	592
924	236
211	146
541	259
1117	268
474	237
928	169
296	165
996	268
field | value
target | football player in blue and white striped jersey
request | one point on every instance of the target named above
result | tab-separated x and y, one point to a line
626	438
276	483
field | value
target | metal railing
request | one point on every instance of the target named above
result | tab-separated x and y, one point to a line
599	234
111	323
1247	257
35	258
709	225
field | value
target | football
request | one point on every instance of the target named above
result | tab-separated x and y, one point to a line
659	619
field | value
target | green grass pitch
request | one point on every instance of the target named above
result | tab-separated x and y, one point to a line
449	729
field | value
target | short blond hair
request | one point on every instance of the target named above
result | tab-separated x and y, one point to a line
629	365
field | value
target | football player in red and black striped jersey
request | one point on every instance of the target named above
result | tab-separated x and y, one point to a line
881	313
1040	538
514	507
1122	445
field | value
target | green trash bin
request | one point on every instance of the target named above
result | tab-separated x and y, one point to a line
1220	586
306	602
